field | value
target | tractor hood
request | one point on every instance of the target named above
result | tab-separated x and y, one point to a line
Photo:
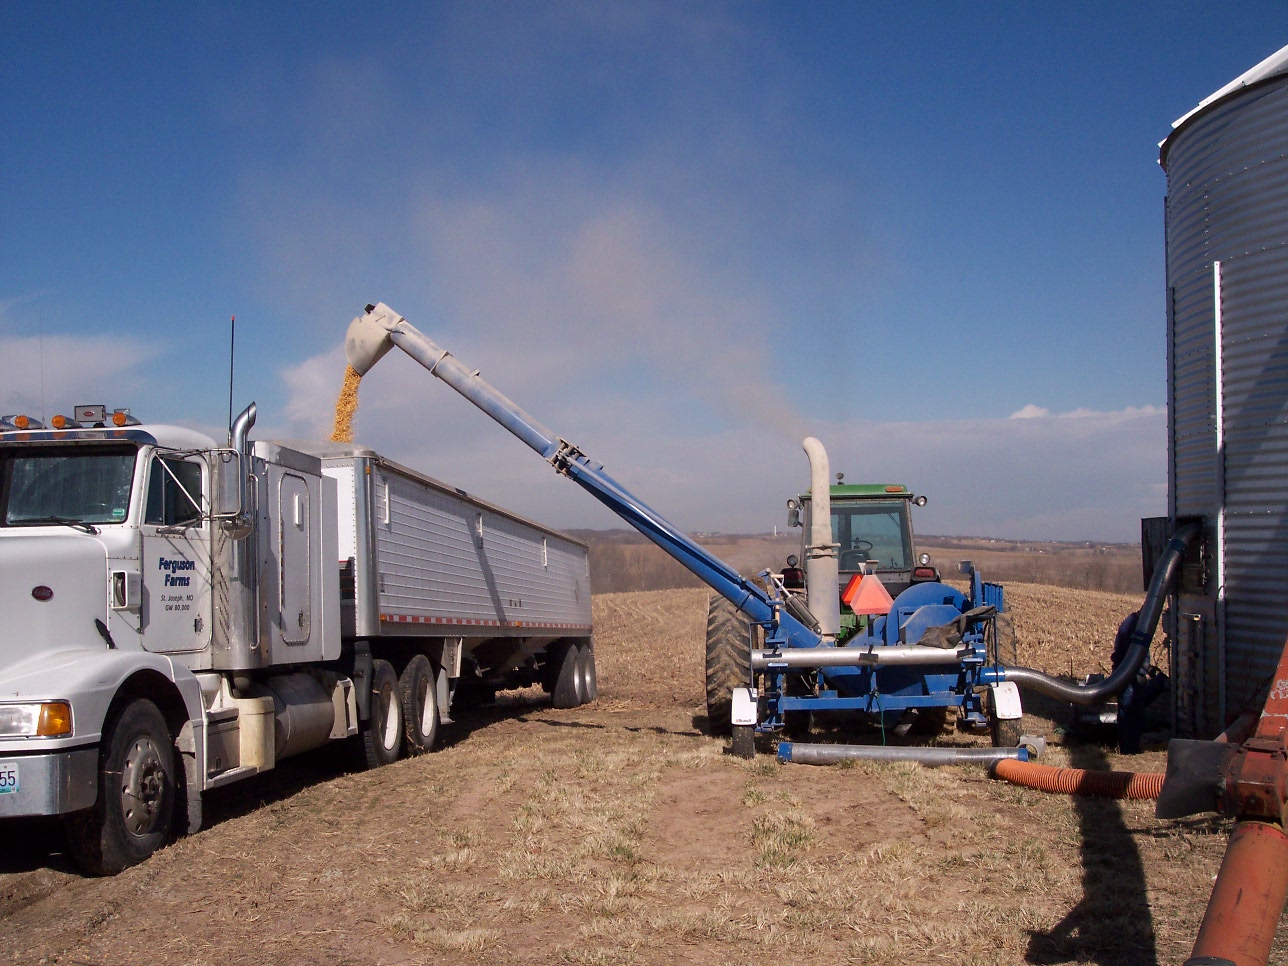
52	588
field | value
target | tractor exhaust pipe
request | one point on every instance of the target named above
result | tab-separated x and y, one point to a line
1169	564
822	571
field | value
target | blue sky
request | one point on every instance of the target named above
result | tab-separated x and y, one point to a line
683	235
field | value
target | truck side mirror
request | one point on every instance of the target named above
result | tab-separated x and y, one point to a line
226	492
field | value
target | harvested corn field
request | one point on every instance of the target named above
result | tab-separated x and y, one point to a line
620	833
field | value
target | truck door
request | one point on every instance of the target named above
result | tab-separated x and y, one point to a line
176	555
293	557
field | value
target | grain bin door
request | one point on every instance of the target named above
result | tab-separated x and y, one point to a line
294	579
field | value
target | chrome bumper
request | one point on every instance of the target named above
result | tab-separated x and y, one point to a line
51	784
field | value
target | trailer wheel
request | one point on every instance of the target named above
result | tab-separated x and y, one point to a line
567	682
382	733
589	679
728	661
418	693
136	794
744	741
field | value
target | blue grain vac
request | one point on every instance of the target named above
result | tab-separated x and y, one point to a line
775	656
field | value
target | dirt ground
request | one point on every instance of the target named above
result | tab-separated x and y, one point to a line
620	833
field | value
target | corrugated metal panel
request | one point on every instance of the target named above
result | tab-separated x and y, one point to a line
1228	203
445	559
1254	313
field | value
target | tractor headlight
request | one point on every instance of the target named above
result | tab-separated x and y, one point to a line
48	719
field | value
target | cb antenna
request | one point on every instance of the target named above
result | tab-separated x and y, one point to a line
232	346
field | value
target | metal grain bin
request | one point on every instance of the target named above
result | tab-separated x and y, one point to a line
1227	378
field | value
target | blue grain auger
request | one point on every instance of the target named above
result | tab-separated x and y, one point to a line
771	659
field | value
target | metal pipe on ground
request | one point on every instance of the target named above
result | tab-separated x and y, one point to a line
816	754
1239	926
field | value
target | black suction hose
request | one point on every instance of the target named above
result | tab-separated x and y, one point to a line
1137	649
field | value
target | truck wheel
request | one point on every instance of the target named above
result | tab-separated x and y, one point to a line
136	794
589	679
728	661
382	733
567	687
418	693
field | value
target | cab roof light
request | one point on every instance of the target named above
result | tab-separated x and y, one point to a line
21	421
893	488
122	417
62	422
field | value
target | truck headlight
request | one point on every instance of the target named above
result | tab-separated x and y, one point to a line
49	719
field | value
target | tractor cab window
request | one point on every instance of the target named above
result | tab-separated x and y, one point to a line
872	531
67	484
175	496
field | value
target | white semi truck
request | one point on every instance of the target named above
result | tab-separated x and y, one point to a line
180	615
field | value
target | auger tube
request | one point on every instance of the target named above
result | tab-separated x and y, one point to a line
1137	650
370	337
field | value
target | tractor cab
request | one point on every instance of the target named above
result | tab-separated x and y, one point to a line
872	529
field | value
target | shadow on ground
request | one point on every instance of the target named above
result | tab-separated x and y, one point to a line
1112	924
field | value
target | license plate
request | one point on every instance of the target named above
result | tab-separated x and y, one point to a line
8	777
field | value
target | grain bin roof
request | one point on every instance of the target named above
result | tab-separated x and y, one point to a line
1272	66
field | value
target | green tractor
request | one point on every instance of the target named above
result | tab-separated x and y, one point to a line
872	529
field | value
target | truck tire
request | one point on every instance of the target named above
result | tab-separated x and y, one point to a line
567	684
418	693
382	732
136	794
589	678
728	661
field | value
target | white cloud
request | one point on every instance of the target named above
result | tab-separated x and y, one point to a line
1030	411
1089	476
44	374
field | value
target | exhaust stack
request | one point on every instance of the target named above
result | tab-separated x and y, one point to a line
822	571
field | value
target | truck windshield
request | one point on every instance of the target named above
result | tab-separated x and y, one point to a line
66	484
872	530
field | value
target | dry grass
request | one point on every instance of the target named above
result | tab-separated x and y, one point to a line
619	834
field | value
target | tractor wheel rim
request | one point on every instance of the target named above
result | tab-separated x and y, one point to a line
143	787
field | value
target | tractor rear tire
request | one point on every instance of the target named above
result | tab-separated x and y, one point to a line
931	722
1005	650
728	661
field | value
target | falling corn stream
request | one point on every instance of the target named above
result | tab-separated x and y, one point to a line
345	406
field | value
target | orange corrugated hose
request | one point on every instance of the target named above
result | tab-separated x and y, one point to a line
1079	781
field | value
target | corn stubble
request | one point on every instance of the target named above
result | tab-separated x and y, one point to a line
618	833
